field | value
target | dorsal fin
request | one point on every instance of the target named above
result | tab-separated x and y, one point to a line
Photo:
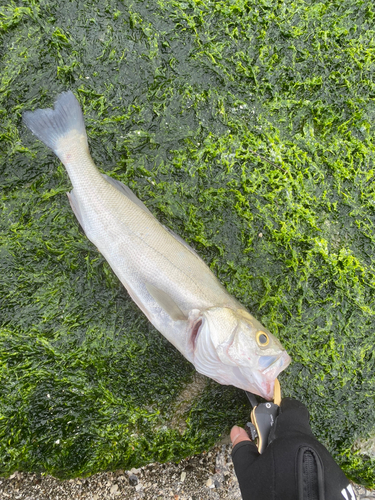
127	192
181	240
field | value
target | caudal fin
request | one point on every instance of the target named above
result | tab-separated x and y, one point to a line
52	125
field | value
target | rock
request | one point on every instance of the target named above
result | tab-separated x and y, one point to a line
133	480
183	476
366	446
139	487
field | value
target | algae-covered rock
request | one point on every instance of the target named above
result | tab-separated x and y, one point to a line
247	128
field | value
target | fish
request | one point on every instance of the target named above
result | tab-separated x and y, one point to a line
164	276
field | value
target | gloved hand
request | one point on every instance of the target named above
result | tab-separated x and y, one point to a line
294	466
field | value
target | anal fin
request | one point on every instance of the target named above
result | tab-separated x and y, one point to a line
74	203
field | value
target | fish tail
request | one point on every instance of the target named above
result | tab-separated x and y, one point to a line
52	126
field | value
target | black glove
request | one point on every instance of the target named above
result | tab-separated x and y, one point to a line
294	466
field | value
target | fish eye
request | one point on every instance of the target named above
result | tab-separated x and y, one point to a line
262	339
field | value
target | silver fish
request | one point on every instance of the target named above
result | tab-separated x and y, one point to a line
164	276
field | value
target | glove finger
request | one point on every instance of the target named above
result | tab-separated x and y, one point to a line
293	417
243	455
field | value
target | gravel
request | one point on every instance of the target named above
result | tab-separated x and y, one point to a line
206	476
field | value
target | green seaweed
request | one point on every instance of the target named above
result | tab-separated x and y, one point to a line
245	126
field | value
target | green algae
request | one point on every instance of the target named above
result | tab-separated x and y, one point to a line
246	127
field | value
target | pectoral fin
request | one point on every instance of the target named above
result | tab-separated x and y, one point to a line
166	302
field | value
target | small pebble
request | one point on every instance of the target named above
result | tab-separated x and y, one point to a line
210	483
183	476
114	489
134	471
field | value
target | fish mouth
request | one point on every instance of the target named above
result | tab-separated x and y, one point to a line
266	362
260	385
271	366
268	370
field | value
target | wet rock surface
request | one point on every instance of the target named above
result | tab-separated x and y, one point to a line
206	476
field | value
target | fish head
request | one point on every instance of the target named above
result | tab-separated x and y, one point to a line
233	348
